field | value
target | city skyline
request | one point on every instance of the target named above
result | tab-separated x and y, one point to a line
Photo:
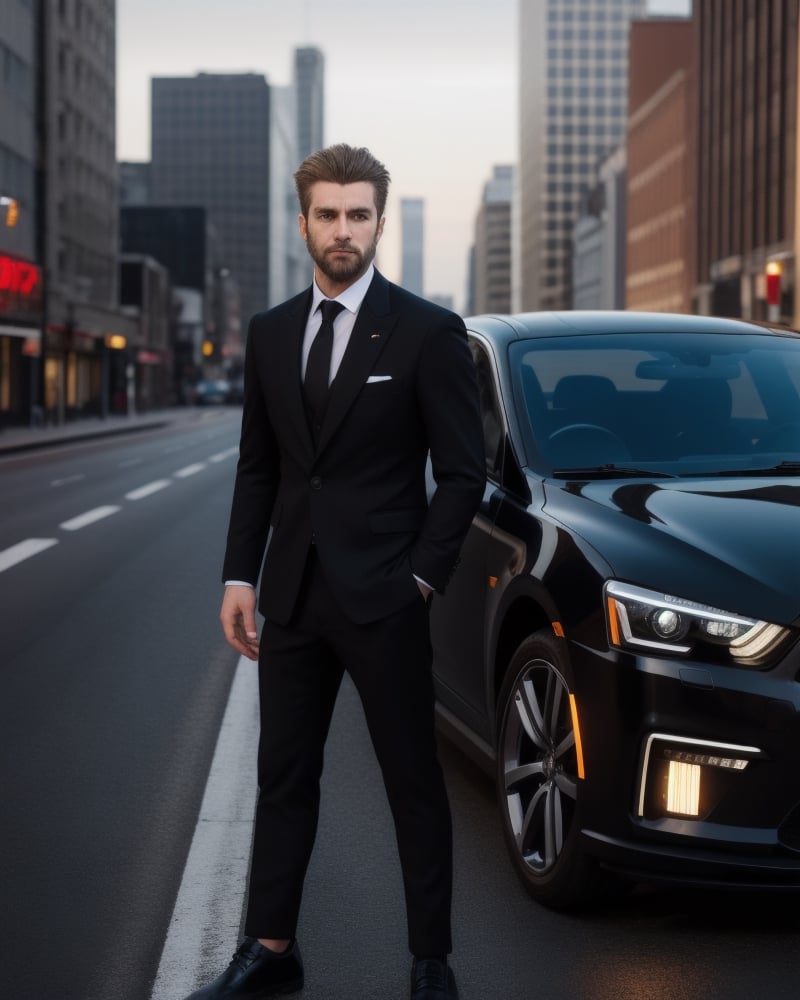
438	105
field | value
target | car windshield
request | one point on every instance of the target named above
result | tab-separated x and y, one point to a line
669	403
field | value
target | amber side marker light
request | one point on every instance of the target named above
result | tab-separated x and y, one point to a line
573	707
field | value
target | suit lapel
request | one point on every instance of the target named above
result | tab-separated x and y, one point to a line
288	363
373	327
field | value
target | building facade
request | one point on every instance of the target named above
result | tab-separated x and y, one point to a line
20	265
599	251
746	65
78	206
573	106
491	271
211	148
662	168
412	225
309	85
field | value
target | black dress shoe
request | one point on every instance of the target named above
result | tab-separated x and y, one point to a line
432	979
255	973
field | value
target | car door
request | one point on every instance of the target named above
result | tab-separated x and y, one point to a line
458	618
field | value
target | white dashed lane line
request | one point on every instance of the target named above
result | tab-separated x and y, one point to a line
190	470
33	546
24	550
68	480
148	490
82	520
222	455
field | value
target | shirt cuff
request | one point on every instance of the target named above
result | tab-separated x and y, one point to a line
424	582
238	583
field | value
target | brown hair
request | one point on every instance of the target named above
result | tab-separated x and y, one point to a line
341	164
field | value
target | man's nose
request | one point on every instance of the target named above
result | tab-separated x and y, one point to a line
342	228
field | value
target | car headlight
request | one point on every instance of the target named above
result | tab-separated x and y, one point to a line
641	619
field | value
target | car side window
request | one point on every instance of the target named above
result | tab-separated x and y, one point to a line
491	415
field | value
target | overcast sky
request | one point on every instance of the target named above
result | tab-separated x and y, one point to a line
428	85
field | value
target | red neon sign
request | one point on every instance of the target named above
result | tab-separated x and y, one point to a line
20	287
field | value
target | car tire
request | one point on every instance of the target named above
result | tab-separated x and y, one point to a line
538	787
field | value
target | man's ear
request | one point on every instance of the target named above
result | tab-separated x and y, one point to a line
303	226
379	231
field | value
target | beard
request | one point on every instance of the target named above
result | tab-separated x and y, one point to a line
340	269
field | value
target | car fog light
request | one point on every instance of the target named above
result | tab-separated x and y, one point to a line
688	777
683	788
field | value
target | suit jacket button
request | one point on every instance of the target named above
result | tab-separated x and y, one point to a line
316	483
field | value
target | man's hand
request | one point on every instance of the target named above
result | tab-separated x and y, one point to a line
238	617
424	589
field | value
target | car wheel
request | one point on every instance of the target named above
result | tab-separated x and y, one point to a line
537	776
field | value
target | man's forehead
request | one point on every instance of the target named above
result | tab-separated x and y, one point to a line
359	195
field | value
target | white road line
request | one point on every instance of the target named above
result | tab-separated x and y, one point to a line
24	550
205	923
68	479
146	491
82	520
190	470
222	455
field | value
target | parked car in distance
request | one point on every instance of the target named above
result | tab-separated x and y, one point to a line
212	392
619	642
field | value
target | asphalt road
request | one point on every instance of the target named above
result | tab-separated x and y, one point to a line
113	682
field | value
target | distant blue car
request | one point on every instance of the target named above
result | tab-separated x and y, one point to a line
212	392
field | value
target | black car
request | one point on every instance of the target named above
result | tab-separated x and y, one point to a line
620	639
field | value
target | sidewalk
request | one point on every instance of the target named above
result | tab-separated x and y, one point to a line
20	439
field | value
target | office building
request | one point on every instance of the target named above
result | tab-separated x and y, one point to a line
572	112
491	265
412	224
598	257
309	84
20	273
747	158
78	206
211	148
662	168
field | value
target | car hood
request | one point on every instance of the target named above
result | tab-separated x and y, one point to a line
730	543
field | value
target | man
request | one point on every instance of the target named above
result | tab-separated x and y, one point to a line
342	405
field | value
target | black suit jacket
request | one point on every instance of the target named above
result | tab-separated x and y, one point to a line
361	493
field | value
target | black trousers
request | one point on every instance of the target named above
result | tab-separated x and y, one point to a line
300	669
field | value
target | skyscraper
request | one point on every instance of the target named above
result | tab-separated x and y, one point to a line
492	260
572	112
412	220
309	83
211	148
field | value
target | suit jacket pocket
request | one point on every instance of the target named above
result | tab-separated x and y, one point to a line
396	520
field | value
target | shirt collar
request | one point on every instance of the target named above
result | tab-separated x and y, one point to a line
351	298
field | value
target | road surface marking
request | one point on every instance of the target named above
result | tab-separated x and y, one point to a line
146	491
204	929
68	479
222	455
190	470
24	550
82	520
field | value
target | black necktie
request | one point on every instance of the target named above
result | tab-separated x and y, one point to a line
318	364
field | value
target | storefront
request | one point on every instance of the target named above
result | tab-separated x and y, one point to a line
20	341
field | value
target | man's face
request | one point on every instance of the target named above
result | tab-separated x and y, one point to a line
341	232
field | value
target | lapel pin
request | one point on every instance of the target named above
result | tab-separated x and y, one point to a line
374	336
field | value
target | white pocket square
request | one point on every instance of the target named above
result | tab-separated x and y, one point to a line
379	378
